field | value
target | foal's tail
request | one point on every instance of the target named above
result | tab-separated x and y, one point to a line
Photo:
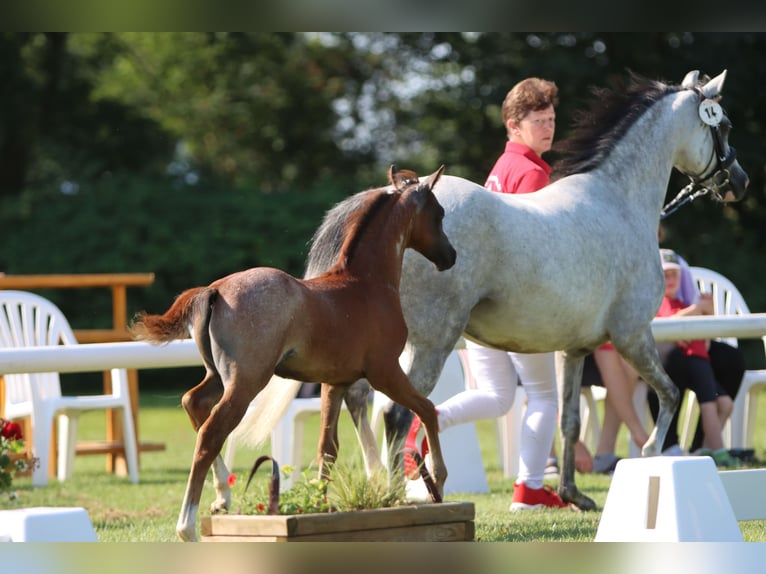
266	410
176	321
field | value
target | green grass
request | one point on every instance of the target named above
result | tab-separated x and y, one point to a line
147	512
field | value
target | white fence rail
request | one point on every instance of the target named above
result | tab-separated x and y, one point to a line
140	355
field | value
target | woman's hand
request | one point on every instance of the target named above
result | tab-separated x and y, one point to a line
705	304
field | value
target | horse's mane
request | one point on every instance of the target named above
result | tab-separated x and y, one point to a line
342	228
609	115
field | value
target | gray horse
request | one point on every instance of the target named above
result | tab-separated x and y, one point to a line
564	269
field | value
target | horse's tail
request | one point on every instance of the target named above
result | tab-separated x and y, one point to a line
175	322
266	410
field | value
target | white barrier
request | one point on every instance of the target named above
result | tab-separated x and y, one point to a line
184	353
744	489
667	499
46	524
98	357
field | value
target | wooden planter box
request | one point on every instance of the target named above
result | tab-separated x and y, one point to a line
446	522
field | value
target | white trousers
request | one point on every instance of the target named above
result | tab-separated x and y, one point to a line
495	375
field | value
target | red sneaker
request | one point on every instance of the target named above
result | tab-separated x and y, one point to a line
411	468
525	498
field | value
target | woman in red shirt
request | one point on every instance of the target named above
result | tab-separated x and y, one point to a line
688	364
530	123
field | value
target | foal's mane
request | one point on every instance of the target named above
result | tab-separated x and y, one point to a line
599	128
337	238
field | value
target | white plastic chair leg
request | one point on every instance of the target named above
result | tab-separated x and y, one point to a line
42	427
67	443
742	421
688	420
120	388
131	448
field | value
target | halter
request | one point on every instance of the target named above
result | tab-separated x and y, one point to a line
712	115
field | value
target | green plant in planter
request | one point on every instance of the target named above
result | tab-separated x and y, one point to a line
348	488
352	489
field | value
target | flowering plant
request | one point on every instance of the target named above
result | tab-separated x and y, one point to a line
11	449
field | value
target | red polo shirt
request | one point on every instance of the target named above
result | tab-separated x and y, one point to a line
518	170
696	348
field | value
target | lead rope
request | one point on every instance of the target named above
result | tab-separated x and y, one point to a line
686	195
425	475
273	483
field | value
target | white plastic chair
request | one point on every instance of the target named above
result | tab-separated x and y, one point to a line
28	320
727	300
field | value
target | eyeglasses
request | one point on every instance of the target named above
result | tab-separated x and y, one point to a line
540	122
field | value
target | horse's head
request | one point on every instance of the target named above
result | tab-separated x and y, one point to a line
427	235
713	165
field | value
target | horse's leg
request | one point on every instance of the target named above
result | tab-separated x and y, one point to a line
571	371
356	400
198	403
212	433
396	386
332	399
645	359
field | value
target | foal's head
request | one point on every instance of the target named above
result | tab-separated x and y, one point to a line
427	234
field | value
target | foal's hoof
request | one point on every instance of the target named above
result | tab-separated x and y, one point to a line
186	534
219	506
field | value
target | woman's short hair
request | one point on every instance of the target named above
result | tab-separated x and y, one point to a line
530	95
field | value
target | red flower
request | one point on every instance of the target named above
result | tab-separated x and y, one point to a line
232	478
11	431
261	508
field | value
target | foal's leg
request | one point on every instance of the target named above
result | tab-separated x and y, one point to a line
198	403
332	399
645	359
223	418
395	384
422	367
570	428
356	401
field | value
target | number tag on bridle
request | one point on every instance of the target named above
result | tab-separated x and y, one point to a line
711	112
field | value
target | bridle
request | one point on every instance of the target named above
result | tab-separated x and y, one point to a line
709	181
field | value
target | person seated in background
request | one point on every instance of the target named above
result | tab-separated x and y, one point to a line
688	364
727	362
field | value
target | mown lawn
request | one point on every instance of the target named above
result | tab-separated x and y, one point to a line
122	512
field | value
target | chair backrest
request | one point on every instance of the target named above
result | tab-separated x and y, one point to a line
727	300
28	320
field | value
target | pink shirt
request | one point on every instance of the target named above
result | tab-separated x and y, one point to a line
696	348
518	170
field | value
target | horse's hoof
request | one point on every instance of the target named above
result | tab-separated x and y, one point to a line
582	502
577	499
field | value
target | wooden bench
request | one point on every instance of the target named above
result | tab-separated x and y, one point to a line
118	284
